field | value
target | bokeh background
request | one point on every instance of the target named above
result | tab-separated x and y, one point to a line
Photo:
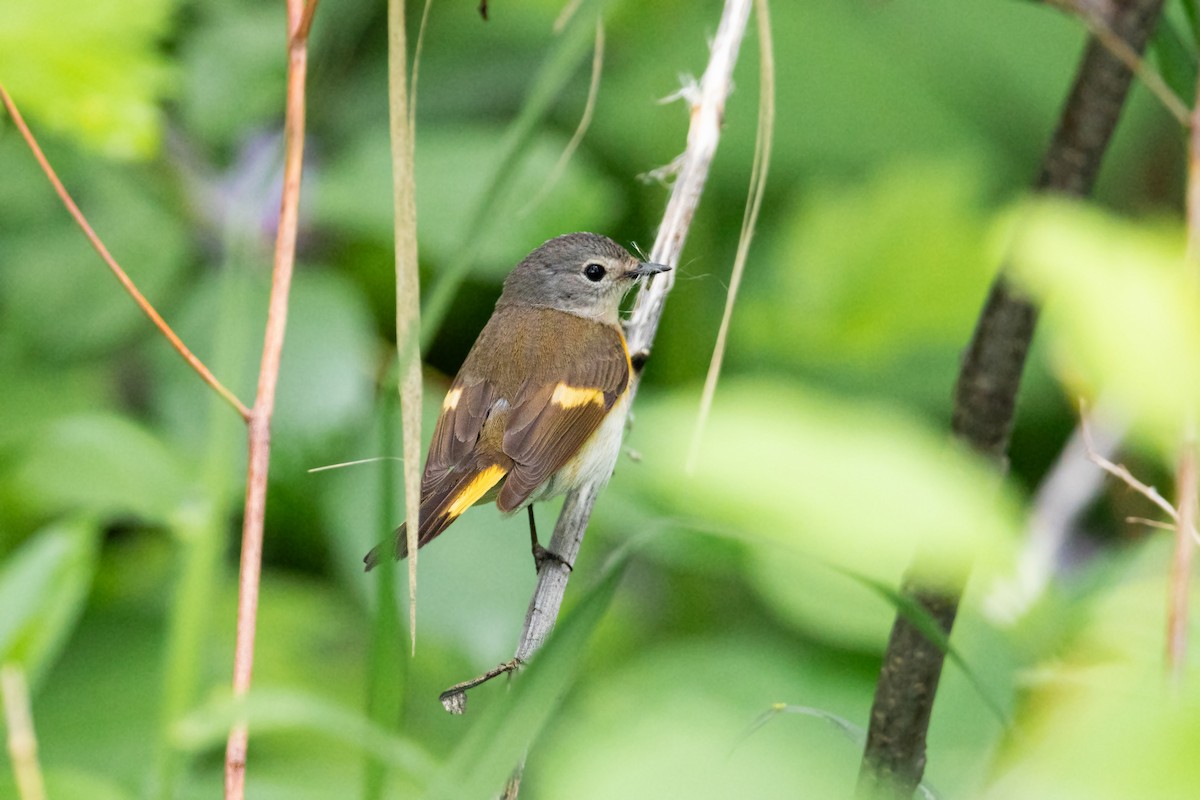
905	130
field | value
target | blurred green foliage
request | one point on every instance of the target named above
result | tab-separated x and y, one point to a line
906	132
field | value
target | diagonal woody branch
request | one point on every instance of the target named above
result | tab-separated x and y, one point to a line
123	277
985	403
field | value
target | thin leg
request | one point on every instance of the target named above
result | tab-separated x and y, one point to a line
540	554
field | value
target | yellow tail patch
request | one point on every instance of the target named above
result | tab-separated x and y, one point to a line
476	488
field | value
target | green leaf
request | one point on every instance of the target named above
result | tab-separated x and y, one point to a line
854	485
1176	59
496	742
43	587
354	194
234	71
270	711
71	784
103	464
326	376
91	70
60	298
1122	310
1097	721
910	274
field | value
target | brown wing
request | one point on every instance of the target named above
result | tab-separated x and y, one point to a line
560	410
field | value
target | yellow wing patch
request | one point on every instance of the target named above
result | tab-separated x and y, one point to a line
478	486
572	396
452	398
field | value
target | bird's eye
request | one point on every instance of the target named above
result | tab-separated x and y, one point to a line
594	272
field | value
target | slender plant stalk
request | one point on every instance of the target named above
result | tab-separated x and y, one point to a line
22	741
1185	470
299	19
985	401
142	303
1181	563
408	298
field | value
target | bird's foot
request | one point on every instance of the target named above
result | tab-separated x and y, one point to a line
542	556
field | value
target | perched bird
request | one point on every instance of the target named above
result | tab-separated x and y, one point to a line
539	404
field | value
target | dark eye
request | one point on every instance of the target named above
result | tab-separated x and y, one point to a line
594	272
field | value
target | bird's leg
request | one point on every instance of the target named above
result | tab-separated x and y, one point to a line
540	554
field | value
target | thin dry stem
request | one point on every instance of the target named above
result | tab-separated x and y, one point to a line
1185	471
754	198
1181	565
408	307
299	18
124	279
22	741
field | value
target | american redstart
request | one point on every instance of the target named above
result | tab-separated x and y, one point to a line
539	404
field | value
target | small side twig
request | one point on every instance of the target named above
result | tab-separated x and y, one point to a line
22	741
123	277
299	17
1122	473
454	699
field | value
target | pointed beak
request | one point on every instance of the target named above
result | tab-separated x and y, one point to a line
647	268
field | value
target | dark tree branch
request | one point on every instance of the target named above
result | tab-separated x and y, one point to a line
984	404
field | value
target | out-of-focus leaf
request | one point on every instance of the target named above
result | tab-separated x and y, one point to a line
91	70
38	395
43	586
103	464
1176	60
59	298
673	717
804	590
852	484
1121	310
1098	722
71	784
275	710
234	71
498	740
355	194
875	270
327	374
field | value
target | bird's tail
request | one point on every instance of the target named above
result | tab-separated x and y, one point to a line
441	505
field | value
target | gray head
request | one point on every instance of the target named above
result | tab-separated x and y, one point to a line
582	273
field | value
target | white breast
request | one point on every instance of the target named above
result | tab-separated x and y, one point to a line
596	459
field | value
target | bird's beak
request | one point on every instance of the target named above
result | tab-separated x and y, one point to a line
647	268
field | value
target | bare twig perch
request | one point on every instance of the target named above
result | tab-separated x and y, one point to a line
707	110
707	102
